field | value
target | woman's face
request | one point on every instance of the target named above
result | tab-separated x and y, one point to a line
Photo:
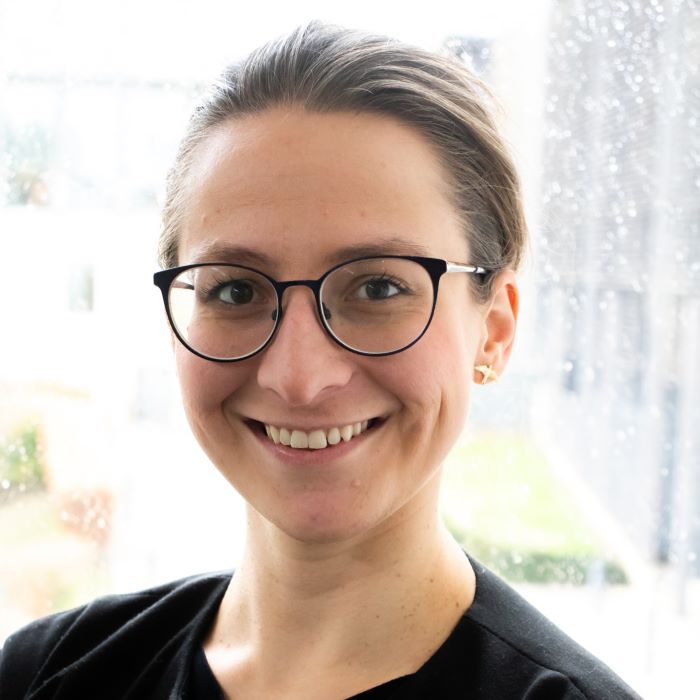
291	193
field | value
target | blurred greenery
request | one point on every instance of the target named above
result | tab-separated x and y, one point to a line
27	154
28	519
45	567
505	506
21	466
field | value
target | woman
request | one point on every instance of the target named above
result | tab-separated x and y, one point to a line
326	190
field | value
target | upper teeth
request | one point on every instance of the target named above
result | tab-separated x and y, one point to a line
316	439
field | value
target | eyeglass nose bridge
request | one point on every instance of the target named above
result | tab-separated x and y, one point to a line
322	311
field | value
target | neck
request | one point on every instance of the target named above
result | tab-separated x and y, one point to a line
343	604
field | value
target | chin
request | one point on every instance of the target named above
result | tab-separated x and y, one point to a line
324	524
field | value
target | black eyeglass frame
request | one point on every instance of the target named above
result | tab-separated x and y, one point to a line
435	267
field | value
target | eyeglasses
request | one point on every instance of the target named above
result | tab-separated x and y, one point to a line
370	306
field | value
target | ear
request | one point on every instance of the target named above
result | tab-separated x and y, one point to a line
500	317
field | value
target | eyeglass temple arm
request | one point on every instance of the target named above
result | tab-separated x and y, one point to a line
458	267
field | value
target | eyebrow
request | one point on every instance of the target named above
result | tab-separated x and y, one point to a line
217	252
383	246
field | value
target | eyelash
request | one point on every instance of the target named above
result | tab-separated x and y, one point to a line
391	280
211	292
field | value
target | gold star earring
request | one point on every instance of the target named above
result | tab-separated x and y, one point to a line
488	373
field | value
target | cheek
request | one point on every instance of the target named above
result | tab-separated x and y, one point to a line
455	344
433	379
452	380
204	384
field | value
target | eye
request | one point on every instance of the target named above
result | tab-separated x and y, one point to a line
236	292
379	288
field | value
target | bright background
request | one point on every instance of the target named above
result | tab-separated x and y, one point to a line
578	478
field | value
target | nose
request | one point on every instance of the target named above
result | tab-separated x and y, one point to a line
302	365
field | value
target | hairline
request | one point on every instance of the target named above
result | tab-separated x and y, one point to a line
447	181
329	69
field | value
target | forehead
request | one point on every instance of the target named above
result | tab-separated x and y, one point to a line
298	187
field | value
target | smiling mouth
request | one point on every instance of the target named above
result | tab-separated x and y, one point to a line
318	439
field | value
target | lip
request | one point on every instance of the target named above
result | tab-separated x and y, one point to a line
306	457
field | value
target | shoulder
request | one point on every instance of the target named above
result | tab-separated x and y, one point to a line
522	654
133	627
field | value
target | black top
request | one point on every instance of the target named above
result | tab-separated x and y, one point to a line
148	645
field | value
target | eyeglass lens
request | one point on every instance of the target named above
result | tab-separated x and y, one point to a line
374	306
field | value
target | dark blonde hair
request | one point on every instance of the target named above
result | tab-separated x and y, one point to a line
326	69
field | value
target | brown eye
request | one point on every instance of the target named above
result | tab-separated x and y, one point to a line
237	292
378	288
